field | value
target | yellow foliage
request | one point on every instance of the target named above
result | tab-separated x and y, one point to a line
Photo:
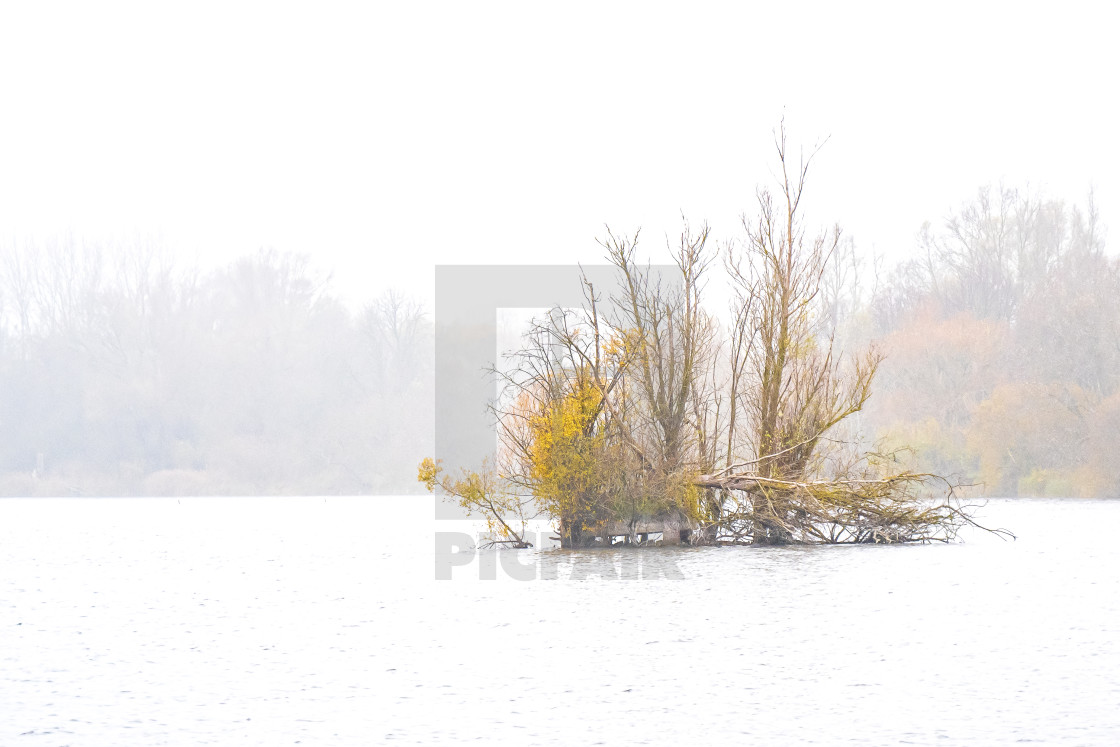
584	475
566	457
479	493
429	473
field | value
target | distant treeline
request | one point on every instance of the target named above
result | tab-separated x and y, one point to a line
122	373
1002	337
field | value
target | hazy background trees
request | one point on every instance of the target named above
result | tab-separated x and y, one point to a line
124	372
1001	336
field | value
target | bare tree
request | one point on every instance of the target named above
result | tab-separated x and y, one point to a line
800	389
671	336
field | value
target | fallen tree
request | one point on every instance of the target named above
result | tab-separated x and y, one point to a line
898	508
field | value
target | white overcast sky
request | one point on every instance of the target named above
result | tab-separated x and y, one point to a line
382	139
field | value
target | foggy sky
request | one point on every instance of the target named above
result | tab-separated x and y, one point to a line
382	139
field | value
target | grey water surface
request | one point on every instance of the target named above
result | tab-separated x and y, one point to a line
319	621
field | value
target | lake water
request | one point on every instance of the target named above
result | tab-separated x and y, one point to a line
319	622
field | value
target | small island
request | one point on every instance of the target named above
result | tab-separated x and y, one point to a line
644	415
